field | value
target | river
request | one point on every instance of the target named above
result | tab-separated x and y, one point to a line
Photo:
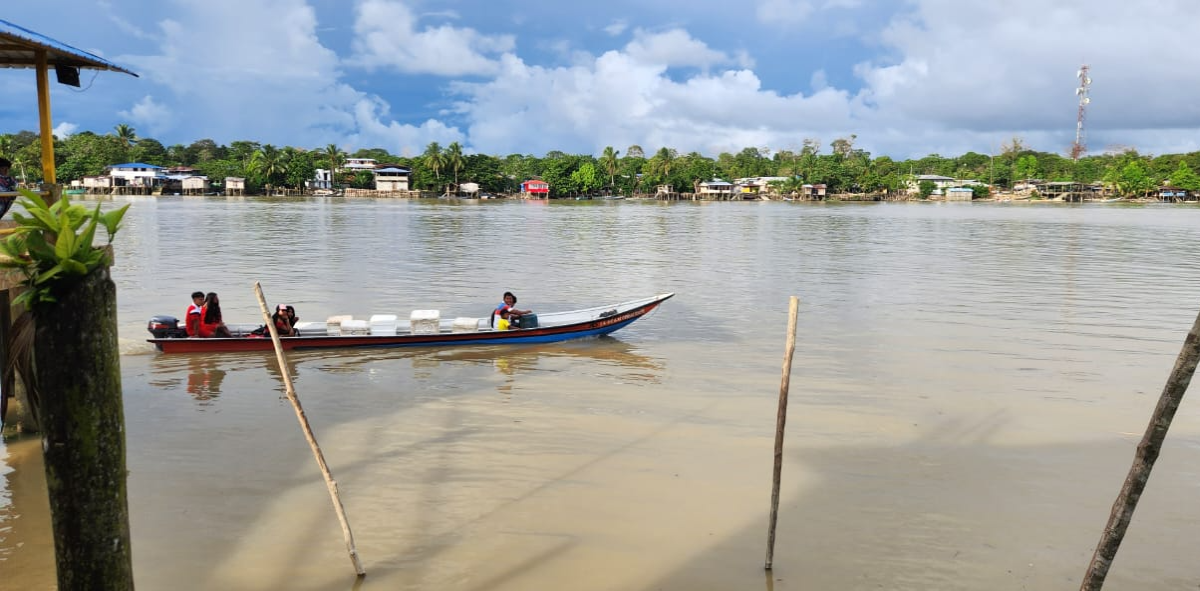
969	386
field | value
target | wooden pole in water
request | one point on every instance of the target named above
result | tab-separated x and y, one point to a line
780	421
330	483
1143	462
82	420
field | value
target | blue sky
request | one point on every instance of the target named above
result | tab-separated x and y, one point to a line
908	78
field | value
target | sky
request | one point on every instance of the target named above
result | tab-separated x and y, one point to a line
907	78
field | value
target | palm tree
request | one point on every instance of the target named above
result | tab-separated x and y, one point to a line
267	162
610	163
433	159
454	159
336	157
125	134
665	159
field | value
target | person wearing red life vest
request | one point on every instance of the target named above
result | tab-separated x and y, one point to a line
191	320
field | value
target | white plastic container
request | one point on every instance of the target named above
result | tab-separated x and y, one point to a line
383	324
425	321
311	329
333	325
465	325
355	327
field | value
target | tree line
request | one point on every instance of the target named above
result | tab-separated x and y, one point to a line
843	168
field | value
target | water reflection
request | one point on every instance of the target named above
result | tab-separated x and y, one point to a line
510	360
26	540
203	376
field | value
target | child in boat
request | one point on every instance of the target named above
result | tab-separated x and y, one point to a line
505	316
191	320
211	324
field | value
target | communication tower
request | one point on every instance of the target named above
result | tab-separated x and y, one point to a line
1085	82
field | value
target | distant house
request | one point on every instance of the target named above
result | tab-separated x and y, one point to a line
757	184
536	189
195	185
97	182
322	179
939	182
1027	184
813	191
235	185
136	174
469	189
959	194
1174	194
392	177
716	187
356	164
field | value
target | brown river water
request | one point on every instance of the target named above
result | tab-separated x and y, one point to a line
969	386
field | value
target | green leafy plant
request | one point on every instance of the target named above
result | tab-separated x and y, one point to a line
48	247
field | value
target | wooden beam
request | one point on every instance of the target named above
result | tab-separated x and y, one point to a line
47	130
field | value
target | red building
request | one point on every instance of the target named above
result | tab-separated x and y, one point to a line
537	189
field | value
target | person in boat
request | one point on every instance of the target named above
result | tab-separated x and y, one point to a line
191	320
284	320
211	323
7	185
506	315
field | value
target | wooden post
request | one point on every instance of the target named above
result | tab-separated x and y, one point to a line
45	127
1143	462
330	483
78	369
7	380
780	421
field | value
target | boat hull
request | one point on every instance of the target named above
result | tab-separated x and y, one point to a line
546	334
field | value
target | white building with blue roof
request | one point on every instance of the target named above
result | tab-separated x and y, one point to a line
137	174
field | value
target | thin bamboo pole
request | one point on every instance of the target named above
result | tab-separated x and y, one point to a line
1143	462
780	421
330	483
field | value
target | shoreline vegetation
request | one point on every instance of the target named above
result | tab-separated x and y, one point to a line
844	172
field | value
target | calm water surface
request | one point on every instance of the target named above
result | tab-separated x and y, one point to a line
969	386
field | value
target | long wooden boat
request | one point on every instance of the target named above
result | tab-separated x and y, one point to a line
552	327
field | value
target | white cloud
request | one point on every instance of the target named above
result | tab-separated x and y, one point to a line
784	12
375	129
793	13
386	36
620	100
149	115
616	27
114	16
673	48
230	70
64	130
985	71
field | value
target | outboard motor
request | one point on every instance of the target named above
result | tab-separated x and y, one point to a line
166	327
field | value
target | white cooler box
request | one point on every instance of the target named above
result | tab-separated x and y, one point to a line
425	321
333	325
311	329
465	325
383	324
355	327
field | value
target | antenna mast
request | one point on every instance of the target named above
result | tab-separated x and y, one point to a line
1085	82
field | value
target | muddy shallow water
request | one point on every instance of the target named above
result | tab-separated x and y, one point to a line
969	385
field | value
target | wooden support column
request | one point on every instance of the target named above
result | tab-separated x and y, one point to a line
83	428
45	126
